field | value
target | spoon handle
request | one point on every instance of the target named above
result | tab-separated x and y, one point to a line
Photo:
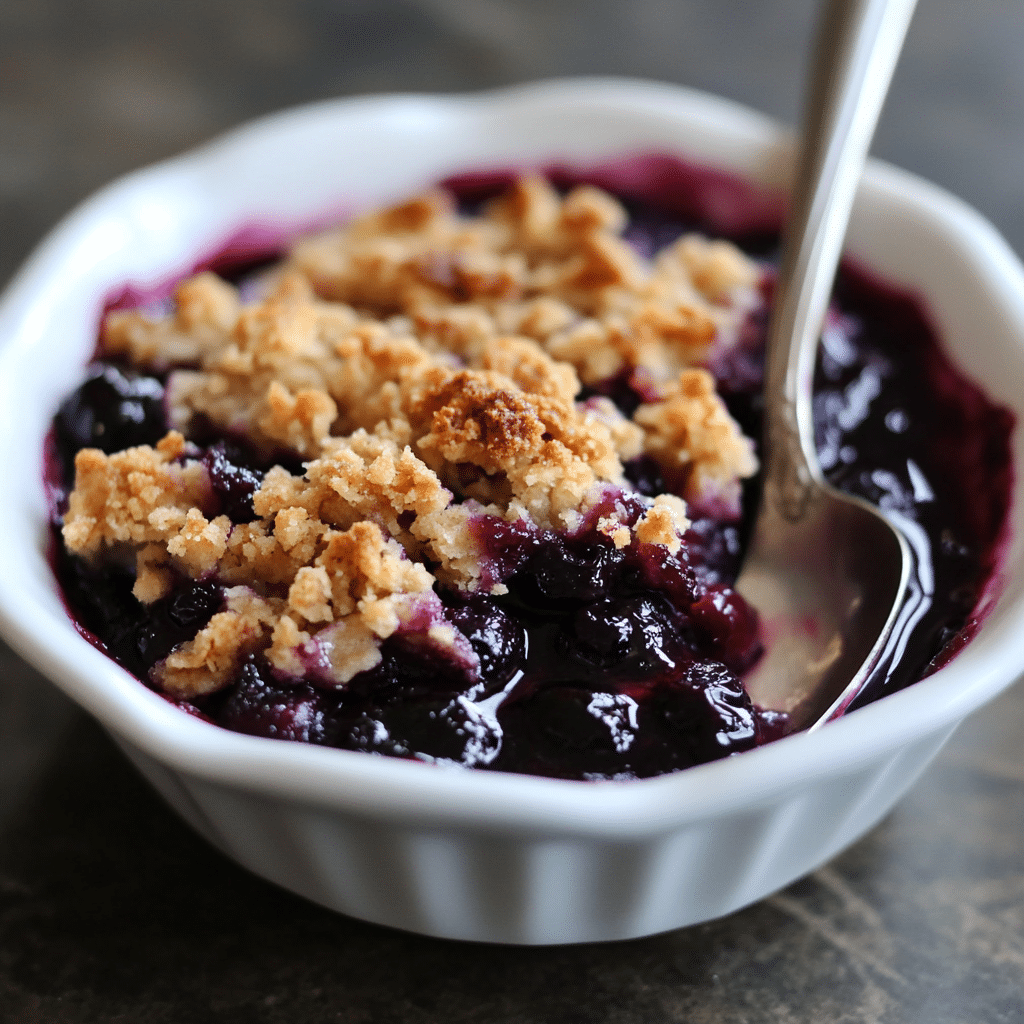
858	44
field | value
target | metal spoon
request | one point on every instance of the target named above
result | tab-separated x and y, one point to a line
826	570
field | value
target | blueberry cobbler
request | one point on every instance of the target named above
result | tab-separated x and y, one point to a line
467	479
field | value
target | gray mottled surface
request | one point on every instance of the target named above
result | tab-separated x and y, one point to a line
111	910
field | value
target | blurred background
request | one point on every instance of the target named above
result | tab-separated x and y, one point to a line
109	907
92	88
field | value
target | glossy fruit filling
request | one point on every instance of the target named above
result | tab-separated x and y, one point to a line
599	661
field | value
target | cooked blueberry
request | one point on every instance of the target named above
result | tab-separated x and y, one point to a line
360	730
233	481
671	574
729	626
606	631
558	720
715	549
506	544
498	639
616	388
137	636
144	635
644	473
445	726
192	607
101	597
111	410
641	633
568	729
729	702
704	716
164	624
408	670
559	573
260	705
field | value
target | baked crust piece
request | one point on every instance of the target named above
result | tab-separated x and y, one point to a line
426	366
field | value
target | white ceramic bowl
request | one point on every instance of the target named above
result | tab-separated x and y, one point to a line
450	852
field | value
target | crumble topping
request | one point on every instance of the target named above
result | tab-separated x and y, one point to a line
426	367
689	431
145	499
553	269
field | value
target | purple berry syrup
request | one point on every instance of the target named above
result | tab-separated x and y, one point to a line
604	663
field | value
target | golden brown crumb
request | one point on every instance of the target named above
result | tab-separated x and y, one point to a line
363	476
627	437
716	268
691	433
211	659
543	266
663	523
613	529
135	497
206	308
550	453
297	422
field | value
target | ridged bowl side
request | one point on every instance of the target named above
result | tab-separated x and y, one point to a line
512	885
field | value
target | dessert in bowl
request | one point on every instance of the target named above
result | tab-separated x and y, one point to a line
448	851
463	479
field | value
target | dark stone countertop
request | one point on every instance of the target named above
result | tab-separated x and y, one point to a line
111	909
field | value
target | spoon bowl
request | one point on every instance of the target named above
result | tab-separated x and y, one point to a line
826	570
829	587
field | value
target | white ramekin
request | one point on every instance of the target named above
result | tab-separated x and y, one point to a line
449	852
